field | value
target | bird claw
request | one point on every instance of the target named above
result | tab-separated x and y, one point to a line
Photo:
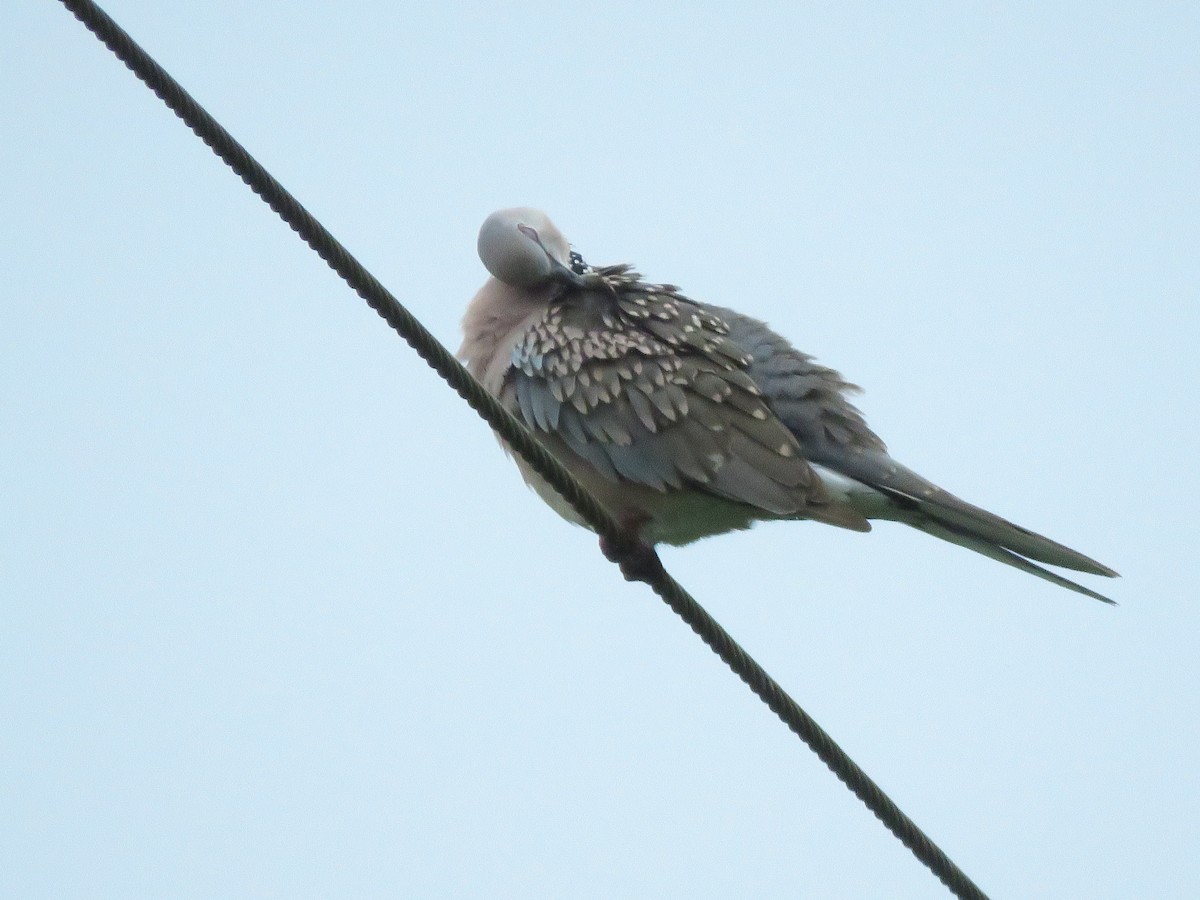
637	560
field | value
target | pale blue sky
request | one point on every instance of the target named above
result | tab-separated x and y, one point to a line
278	619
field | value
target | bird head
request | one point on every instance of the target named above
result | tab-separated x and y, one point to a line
523	248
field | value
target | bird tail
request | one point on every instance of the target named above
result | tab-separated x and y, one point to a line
1000	553
903	495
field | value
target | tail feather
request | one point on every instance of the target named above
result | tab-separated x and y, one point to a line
879	487
1001	554
970	519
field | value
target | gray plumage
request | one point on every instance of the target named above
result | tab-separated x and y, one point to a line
687	420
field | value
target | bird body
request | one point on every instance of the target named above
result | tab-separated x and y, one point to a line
687	420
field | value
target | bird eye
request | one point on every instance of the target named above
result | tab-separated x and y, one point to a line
529	233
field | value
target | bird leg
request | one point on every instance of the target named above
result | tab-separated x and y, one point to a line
637	560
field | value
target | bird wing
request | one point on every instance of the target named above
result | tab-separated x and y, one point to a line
645	386
810	399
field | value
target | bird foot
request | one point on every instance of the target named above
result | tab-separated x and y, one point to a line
637	560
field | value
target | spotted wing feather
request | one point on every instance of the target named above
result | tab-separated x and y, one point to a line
647	387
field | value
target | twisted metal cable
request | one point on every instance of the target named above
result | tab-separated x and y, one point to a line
517	436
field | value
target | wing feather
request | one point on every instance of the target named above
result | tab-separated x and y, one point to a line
646	387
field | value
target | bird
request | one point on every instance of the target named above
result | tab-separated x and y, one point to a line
686	420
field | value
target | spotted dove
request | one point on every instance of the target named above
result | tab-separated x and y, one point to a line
687	420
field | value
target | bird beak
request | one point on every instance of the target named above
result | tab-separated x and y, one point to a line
560	273
565	275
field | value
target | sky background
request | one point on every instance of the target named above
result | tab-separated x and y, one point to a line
278	618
